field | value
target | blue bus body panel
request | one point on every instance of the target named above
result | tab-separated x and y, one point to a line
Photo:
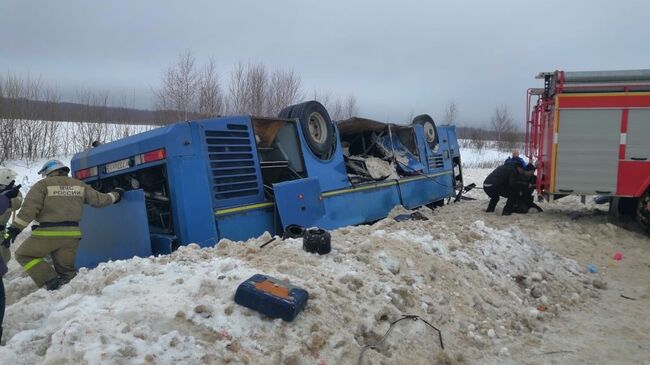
216	188
454	147
175	138
230	150
193	214
116	232
332	173
249	223
423	191
299	202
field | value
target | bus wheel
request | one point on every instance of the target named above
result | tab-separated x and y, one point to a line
643	211
316	126
430	130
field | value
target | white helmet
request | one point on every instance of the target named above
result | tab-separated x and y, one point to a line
51	166
7	176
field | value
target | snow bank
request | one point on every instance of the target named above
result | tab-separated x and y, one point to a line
469	279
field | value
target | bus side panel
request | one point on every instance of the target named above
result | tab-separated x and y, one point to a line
193	216
331	173
299	201
427	190
117	232
454	148
359	207
243	225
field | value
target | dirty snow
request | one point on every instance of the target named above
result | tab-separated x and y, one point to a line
503	290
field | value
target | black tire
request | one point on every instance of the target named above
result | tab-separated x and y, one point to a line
317	240
286	112
430	129
643	211
316	126
294	231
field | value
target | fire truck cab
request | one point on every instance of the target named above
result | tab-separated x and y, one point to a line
589	133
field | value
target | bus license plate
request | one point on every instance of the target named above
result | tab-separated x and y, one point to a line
117	166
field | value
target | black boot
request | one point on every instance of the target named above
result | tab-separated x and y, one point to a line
492	205
508	209
55	283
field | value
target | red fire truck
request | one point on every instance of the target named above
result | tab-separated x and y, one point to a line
589	133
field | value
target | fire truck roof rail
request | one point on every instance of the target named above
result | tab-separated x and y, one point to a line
601	76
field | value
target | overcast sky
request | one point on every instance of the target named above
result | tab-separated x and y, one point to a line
396	57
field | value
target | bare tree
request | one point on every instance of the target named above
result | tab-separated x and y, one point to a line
211	98
50	141
92	120
478	138
256	85
179	87
338	108
283	90
324	97
451	111
503	127
350	107
21	133
238	90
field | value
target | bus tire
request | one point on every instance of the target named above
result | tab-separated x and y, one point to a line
286	112
430	129
316	126
317	240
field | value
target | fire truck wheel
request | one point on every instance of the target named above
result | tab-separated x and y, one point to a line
430	130
317	240
316	126
643	211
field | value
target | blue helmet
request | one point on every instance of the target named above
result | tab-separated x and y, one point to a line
516	161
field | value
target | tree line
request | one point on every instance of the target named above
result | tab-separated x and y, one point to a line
36	123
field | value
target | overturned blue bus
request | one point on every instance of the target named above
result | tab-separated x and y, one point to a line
237	177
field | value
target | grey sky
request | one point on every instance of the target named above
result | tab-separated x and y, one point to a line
396	57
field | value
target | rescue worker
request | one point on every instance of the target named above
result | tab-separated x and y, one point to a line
56	202
504	182
525	200
3	271
7	193
7	176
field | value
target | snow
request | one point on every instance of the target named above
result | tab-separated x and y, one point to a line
469	273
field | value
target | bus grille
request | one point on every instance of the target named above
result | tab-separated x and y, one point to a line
436	162
231	162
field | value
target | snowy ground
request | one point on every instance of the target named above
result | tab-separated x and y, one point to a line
503	290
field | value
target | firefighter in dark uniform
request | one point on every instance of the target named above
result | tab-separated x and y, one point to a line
7	193
56	202
525	200
504	182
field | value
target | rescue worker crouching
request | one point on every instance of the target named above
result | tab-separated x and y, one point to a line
57	203
525	200
7	179
504	181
